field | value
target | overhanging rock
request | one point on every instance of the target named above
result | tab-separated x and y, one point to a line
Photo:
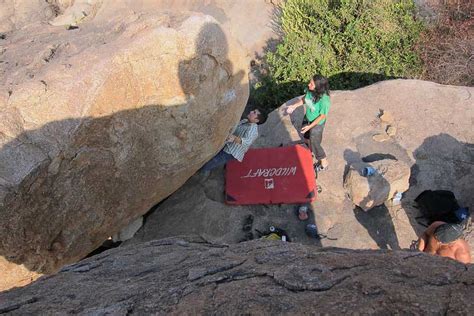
103	122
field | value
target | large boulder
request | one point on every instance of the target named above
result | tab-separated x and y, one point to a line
185	276
390	178
102	122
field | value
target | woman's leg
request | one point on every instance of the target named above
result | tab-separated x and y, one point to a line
316	139
307	142
306	138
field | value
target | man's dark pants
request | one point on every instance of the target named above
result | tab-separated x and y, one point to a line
218	160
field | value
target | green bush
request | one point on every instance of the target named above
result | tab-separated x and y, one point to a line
352	42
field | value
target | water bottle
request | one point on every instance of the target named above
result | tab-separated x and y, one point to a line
397	198
368	171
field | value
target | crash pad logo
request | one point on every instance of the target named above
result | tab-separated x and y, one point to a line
270	172
269	184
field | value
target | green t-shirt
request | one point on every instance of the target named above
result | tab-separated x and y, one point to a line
320	107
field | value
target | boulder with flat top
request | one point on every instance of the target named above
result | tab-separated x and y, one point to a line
367	191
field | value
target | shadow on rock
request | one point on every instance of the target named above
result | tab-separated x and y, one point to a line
379	225
377	220
441	163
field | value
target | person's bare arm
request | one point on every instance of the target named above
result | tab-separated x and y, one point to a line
462	254
306	128
423	240
290	108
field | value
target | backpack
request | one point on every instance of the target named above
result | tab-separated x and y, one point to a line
274	233
441	205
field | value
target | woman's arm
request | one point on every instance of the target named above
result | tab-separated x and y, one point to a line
298	103
306	128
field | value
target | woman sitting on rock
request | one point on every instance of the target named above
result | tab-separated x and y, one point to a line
316	106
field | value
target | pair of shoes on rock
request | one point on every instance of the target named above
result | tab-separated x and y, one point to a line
248	222
247	228
248	236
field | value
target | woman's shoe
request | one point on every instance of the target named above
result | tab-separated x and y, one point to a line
322	165
320	168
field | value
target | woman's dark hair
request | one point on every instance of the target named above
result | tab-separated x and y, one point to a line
321	87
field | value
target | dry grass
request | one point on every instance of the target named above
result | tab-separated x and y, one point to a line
447	47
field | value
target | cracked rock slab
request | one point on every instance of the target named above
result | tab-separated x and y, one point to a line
162	277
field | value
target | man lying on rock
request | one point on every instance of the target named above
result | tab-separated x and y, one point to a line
238	143
445	240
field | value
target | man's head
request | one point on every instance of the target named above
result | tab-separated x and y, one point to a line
256	116
447	233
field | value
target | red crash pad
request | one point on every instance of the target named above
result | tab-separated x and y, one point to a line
271	176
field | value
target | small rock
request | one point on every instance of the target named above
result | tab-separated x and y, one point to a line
392	177
380	137
386	117
182	134
391	130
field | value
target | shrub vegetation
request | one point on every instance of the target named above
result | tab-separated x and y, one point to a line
353	42
447	45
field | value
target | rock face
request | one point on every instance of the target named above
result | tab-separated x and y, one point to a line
190	276
251	21
390	177
439	150
15	14
104	121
